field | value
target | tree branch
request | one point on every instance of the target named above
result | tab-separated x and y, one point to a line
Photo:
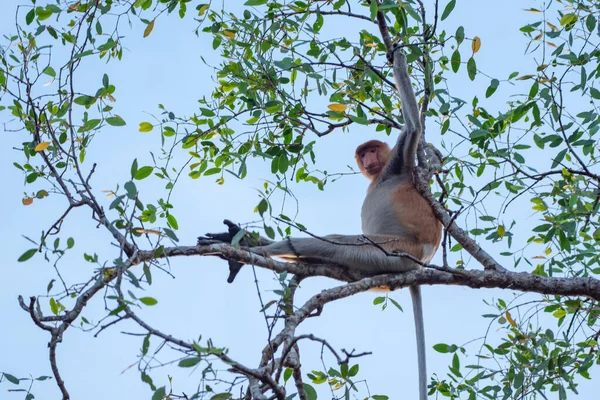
494	277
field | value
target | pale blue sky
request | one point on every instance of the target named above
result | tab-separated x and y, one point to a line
166	68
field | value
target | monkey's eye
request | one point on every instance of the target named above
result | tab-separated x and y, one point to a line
372	150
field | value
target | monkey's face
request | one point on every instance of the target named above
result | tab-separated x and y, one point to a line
371	160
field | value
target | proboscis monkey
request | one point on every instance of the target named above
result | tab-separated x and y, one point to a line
394	216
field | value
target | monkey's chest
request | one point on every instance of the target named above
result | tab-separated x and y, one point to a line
397	209
380	213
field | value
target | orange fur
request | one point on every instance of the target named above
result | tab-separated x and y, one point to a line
415	214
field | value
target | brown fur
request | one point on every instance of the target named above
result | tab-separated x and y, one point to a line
415	214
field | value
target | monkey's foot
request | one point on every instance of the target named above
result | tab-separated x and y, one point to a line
224	237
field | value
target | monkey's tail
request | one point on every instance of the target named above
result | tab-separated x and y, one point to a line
415	293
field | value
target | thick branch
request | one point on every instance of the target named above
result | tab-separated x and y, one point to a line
496	277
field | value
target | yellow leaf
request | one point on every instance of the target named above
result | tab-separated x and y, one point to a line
476	44
146	127
501	230
229	34
553	27
203	9
42	146
538	258
149	28
510	319
151	231
337	107
524	77
538	37
27	201
551	44
533	10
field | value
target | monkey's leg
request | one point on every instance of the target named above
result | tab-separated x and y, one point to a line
360	252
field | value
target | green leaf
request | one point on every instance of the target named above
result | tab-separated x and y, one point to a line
559	157
359	120
492	88
146	127
255	2
459	35
43	13
311	394
11	378
448	9
471	68
373	10
84	100
30	16
159	394
221	396
115	121
172	221
445	348
353	370
143	172
149	301
130	189
455	61
478	134
595	93
318	22
378	300
189	362
568	19
287	374
534	89
134	167
590	22
27	255
50	71
70	243
270	232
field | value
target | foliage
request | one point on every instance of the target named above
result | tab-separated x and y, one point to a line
285	80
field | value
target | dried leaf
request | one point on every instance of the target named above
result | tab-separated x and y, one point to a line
476	44
337	107
149	28
510	319
42	146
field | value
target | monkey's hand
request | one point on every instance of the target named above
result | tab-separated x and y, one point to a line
234	235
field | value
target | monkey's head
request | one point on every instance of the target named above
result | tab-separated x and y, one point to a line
371	157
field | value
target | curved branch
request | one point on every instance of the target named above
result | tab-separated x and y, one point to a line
495	276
